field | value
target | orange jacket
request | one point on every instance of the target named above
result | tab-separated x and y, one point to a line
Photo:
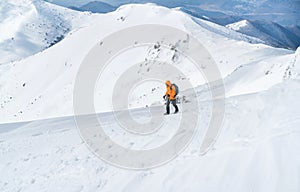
171	91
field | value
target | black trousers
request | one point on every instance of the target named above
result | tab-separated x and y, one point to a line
173	103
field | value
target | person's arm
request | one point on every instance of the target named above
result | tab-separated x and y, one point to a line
167	94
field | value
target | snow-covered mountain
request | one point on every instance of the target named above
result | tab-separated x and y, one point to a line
274	18
256	149
95	7
271	33
35	96
28	27
283	12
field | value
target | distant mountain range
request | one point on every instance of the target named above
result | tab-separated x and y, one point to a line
95	7
276	22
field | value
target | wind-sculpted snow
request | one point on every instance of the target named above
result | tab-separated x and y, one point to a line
256	150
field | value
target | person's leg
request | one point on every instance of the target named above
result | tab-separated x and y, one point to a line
175	106
168	107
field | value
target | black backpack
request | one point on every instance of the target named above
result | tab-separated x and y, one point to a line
176	89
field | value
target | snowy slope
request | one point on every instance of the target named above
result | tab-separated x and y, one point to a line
256	150
268	30
283	12
271	33
34	94
272	19
28	27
